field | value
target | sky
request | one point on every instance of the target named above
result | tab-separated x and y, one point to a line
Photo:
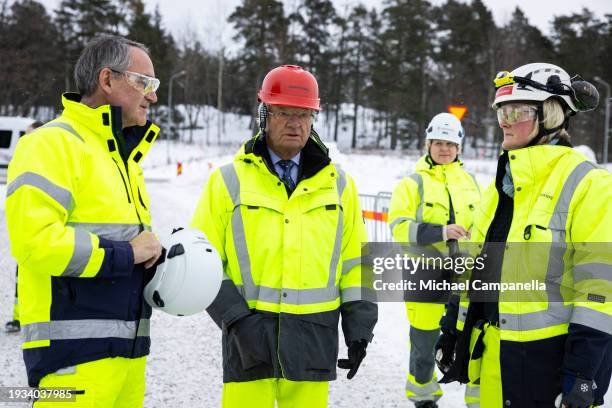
208	17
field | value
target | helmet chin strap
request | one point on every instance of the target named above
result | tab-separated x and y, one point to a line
543	131
262	117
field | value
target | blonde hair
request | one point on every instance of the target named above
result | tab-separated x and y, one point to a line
554	116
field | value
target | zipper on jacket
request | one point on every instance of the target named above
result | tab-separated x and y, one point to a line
127	192
127	176
140	199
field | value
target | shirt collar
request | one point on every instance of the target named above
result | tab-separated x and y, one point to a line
276	159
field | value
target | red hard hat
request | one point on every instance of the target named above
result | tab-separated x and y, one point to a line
290	85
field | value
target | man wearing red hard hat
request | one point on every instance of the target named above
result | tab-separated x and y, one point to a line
288	226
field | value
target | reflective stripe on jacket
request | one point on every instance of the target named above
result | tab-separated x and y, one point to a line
562	203
295	258
420	203
74	200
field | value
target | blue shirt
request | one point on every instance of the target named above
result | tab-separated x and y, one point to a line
279	169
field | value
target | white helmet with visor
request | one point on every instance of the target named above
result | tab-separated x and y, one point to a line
539	81
520	95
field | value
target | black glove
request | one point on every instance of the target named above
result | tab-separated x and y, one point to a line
576	392
356	354
445	350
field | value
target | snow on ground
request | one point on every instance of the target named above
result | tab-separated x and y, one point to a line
184	368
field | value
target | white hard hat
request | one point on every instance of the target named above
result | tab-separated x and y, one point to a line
540	81
445	126
189	279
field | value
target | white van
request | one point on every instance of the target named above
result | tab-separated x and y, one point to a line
11	129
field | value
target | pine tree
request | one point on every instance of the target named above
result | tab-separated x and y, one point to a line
149	30
356	38
466	63
406	42
29	67
337	55
78	21
522	43
200	81
316	24
579	40
262	29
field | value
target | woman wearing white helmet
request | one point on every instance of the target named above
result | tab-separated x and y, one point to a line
434	206
547	217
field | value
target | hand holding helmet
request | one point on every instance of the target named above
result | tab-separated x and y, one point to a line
189	279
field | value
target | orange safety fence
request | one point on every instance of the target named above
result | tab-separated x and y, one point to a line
375	215
375	211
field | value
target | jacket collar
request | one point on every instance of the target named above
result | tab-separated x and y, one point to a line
104	117
426	164
105	122
534	164
312	159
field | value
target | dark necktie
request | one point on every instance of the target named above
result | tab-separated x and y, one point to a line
287	165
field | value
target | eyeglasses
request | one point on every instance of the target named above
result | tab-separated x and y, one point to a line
303	117
514	113
142	83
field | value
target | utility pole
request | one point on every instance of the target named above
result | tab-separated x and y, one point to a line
607	119
170	119
221	117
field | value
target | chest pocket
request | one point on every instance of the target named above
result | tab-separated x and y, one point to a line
328	201
541	254
466	208
434	203
262	216
101	185
320	214
254	201
545	226
436	210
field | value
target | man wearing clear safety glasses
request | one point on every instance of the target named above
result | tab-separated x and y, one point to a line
80	228
546	217
142	83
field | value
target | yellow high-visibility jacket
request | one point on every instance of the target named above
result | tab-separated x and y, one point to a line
75	198
420	207
561	226
420	203
555	227
297	259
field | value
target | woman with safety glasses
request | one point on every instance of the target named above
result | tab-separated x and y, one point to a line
545	218
434	206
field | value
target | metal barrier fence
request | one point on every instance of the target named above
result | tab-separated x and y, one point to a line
375	209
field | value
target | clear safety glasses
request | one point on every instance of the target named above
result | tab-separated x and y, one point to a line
303	117
514	113
142	83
